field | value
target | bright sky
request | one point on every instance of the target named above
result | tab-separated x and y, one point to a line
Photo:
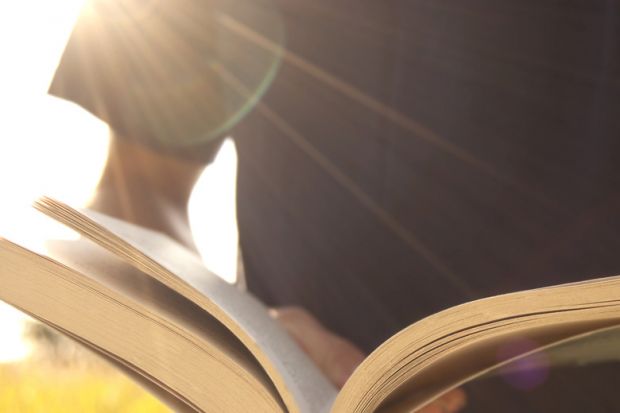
52	147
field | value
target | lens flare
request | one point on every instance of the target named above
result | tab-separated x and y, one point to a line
525	372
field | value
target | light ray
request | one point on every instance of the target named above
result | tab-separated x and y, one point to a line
415	127
358	193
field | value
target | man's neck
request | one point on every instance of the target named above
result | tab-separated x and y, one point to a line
148	189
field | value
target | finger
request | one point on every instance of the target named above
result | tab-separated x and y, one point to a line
336	357
455	400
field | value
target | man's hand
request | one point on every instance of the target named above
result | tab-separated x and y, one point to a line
337	357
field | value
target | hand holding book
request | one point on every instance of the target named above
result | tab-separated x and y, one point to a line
337	358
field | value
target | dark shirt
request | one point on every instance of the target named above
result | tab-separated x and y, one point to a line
412	155
480	145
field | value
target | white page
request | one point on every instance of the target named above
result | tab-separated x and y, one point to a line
310	391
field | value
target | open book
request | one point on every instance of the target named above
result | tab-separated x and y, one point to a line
150	306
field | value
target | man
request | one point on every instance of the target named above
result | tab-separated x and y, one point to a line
409	155
130	65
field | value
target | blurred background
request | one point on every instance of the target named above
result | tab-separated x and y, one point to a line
49	146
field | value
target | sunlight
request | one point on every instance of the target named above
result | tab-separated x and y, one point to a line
52	147
47	146
13	346
32	35
215	232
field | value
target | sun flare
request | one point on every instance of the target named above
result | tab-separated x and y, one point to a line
52	147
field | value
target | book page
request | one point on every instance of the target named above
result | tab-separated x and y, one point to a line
302	386
189	357
597	345
448	348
